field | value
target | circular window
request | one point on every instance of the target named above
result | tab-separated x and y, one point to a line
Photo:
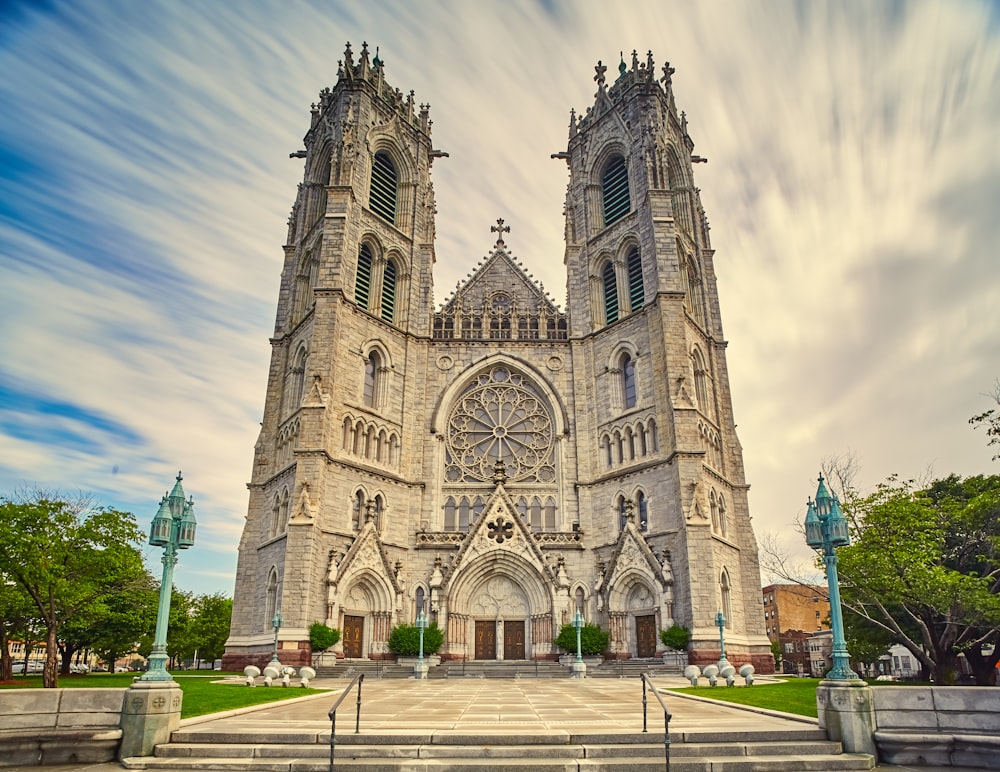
499	417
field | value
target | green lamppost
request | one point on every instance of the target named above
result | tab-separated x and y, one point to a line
579	668
421	669
173	529
826	529
276	621
720	622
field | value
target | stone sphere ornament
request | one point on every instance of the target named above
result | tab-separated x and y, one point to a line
251	672
692	673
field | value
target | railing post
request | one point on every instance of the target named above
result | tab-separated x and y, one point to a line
357	718
333	736
642	678
666	738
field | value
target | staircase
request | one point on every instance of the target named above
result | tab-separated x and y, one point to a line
629	668
306	750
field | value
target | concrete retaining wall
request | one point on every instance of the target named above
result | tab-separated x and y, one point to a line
938	725
59	726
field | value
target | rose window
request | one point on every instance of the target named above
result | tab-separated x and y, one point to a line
499	417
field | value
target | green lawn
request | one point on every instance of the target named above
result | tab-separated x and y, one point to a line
797	695
201	696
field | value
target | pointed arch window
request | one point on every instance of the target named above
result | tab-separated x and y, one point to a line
636	291
419	600
389	291
609	286
299	376
700	381
385	187
723	526
378	509
450	521
622	513
643	511
363	282
628	381
271	597
357	512
614	189
372	367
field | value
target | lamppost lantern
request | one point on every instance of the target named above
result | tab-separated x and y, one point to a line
173	528
826	529
720	622
276	620
578	624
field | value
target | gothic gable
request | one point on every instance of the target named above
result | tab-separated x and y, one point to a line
499	279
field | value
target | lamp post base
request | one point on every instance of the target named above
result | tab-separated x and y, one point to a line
846	711
152	711
578	670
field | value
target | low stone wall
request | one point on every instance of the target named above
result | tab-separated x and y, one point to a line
938	725
59	726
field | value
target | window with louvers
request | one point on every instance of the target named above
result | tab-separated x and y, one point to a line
363	283
389	291
382	197
610	294
636	292
614	186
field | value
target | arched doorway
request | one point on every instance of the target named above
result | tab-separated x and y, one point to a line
366	620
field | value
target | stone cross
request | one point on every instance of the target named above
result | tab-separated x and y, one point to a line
600	69
500	229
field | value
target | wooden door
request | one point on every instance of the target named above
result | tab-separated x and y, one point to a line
513	640
486	639
354	634
645	635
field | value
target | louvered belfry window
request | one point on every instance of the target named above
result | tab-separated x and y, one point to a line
363	283
636	293
389	291
614	186
385	185
610	294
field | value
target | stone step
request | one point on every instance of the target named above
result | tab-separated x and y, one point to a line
651	763
430	751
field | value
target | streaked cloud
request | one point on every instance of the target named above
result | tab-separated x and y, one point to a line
145	183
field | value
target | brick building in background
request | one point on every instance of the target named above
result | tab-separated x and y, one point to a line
792	613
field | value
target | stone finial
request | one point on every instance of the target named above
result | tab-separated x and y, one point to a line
635	60
600	69
348	55
667	78
499	468
622	67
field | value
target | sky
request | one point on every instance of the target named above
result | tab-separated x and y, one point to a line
852	187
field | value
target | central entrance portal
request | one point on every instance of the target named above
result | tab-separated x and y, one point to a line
354	630
645	636
486	639
513	640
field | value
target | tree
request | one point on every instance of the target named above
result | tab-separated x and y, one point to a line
924	565
210	625
18	622
593	640
64	555
990	420
776	653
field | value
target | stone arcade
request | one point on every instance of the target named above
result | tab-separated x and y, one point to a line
498	462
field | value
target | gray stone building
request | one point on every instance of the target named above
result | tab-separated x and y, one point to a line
497	461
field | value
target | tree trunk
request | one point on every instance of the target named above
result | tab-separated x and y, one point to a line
945	669
66	655
984	669
50	673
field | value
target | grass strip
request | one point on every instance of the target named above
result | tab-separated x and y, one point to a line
201	694
796	695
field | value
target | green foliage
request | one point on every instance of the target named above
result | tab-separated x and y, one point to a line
676	637
210	625
797	695
322	637
923	567
990	421
404	640
66	558
593	640
776	653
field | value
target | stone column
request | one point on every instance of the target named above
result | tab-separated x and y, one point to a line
846	712
151	712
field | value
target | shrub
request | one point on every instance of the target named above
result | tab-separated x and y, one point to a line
404	640
322	637
676	637
593	640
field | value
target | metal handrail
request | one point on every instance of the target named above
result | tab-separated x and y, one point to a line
666	717
333	714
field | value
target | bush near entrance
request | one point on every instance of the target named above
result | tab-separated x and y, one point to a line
322	637
676	637
593	640
404	640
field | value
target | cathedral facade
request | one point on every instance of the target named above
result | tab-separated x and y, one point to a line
497	462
